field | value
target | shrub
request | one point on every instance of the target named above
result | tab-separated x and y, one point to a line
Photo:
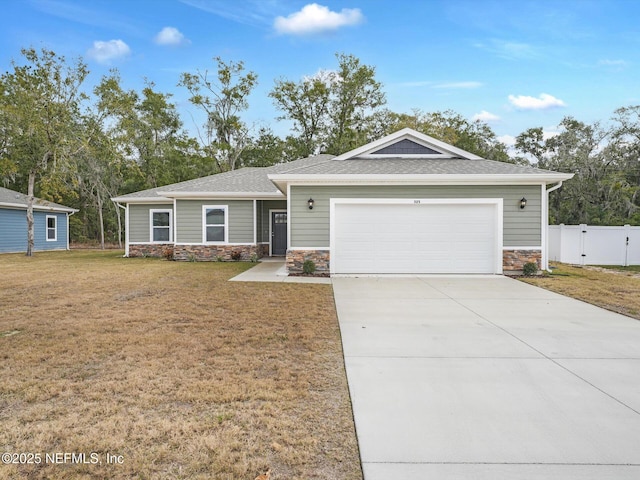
236	255
254	258
530	268
308	267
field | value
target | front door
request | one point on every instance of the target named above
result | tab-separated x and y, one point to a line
278	233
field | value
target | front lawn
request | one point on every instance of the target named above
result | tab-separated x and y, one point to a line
632	269
612	290
170	369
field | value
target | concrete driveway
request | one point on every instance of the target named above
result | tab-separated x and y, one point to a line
488	378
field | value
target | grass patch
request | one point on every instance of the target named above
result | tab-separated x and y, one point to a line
610	290
184	374
629	268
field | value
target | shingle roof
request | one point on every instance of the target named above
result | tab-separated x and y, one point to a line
413	166
248	180
254	181
15	199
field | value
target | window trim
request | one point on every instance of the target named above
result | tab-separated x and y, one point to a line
151	226
224	208
55	228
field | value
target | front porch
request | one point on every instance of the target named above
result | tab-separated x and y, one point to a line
273	269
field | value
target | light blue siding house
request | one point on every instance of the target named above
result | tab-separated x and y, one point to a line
51	223
404	204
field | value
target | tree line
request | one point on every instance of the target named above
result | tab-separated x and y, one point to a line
80	148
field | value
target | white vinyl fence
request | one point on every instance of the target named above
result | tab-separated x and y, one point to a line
586	245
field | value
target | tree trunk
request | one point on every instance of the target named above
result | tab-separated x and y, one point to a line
30	223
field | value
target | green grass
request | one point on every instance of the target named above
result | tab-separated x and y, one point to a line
630	268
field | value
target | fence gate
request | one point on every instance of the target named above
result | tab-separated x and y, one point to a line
587	245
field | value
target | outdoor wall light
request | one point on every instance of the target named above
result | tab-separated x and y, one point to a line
523	202
310	202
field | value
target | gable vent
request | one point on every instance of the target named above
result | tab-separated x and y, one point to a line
406	147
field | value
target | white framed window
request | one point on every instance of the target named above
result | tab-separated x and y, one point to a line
215	228
52	228
161	227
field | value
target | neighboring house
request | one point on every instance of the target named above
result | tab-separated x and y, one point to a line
51	223
406	203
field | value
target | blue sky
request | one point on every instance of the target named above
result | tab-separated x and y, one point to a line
513	63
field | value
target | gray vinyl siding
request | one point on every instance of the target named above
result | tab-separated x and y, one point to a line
521	227
13	230
139	220
189	221
263	217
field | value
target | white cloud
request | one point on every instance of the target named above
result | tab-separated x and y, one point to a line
314	18
550	132
543	102
458	85
105	52
508	140
170	36
509	50
485	116
615	65
328	77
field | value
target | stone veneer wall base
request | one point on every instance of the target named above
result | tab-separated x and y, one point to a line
295	260
263	248
158	250
216	253
200	253
513	260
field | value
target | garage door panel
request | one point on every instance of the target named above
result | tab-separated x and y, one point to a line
408	238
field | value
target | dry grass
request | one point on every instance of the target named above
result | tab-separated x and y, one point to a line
613	290
182	373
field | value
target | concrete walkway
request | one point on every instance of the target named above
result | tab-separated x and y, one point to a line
273	270
488	378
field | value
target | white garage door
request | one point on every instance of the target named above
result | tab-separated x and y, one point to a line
412	237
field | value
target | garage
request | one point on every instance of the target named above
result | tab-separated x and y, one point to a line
400	236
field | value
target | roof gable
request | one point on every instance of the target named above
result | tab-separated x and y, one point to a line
408	143
406	147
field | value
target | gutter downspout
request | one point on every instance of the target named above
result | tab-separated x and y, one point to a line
126	228
68	239
546	226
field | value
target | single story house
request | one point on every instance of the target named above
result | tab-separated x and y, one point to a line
406	203
51	223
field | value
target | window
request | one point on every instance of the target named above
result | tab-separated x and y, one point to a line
52	228
215	223
160	226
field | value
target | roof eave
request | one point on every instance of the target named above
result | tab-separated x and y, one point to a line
238	195
125	199
43	208
428	179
